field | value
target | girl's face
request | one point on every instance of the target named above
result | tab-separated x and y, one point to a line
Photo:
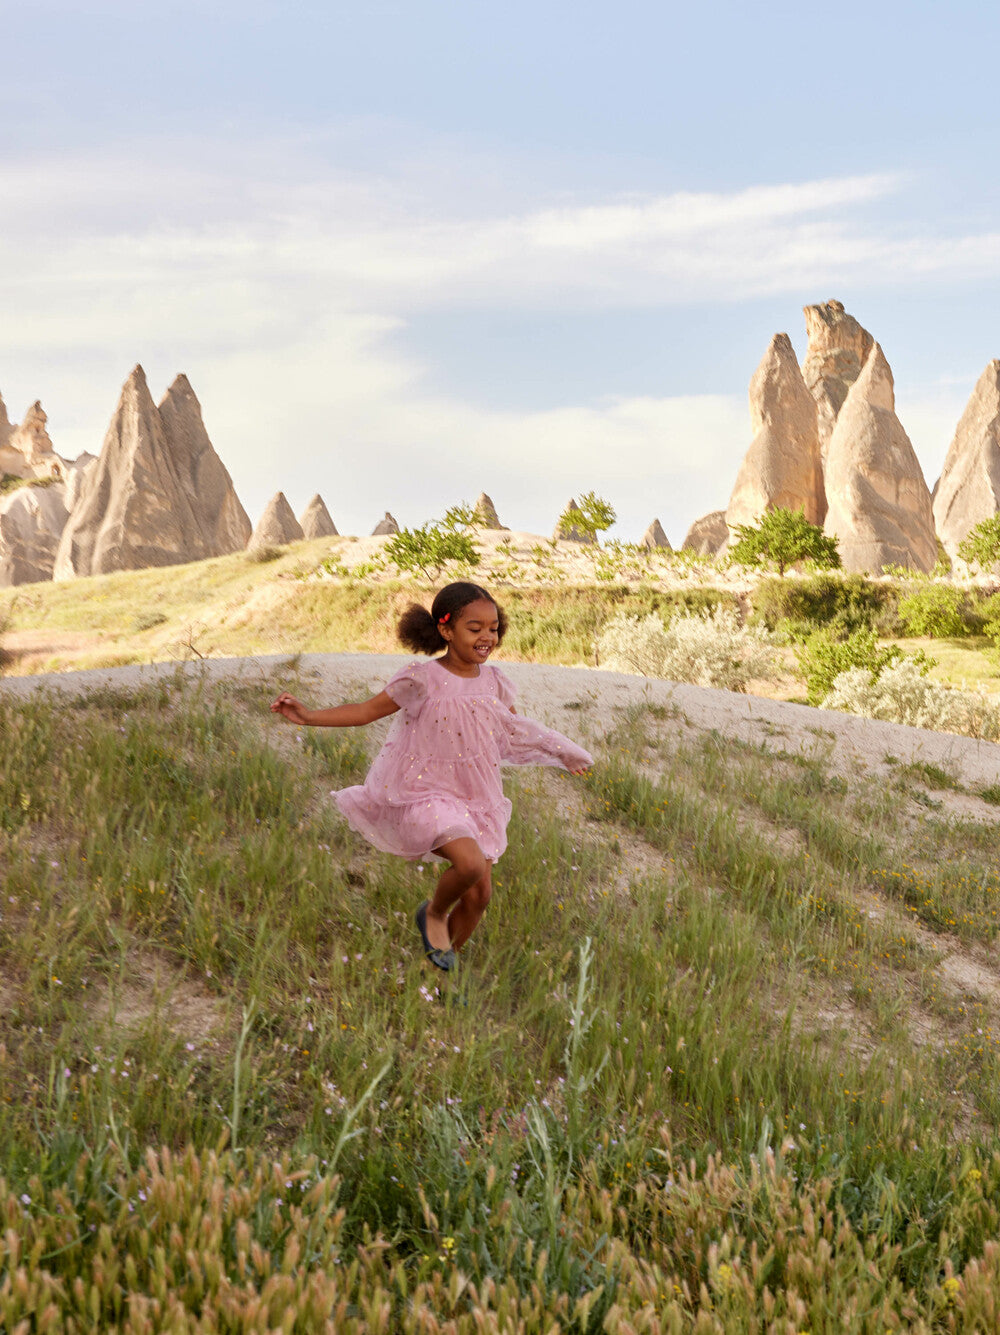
472	633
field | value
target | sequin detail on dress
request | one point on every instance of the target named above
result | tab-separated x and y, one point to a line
438	775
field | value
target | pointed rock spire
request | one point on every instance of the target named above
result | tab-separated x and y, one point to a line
486	513
655	537
782	468
158	494
276	526
386	527
838	348
968	490
708	535
315	520
879	505
5	426
31	521
223	523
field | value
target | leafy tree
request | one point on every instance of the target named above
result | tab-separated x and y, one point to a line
981	545
433	546
591	515
783	537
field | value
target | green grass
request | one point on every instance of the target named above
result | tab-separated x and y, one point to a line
707	1067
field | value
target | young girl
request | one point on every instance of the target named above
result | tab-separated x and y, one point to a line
435	786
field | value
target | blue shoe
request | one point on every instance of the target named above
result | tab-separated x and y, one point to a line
441	959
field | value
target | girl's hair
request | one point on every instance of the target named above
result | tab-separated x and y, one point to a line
420	630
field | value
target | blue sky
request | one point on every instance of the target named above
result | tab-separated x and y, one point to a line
406	253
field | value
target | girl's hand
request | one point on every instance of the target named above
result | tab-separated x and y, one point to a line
288	707
585	770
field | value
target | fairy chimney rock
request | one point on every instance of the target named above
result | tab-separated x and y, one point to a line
782	468
5	426
566	528
485	513
708	535
157	494
838	349
655	537
277	525
879	505
315	520
31	521
26	450
386	527
968	490
223	524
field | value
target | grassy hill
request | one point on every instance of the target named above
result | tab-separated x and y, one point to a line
724	1056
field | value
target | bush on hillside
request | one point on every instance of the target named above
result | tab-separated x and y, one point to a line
706	648
903	693
939	611
783	538
429	549
822	658
981	545
842	603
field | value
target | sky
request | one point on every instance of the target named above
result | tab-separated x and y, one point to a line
410	252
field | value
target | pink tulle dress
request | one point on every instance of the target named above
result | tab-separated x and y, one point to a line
438	775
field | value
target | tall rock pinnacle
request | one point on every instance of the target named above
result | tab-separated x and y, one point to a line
879	505
968	490
782	468
838	348
157	495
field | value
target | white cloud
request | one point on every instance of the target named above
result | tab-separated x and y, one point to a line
276	286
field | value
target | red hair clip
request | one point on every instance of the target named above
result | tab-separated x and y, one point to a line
446	617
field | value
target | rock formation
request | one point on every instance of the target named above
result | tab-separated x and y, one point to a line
386	527
782	468
968	490
276	526
879	505
26	450
655	537
223	523
315	520
566	528
157	495
486	513
76	474
838	348
31	521
5	426
708	535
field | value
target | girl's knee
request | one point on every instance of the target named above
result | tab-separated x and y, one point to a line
480	895
470	865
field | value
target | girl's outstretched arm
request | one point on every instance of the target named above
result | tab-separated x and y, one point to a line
338	716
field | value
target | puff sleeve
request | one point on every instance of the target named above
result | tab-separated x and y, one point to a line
408	687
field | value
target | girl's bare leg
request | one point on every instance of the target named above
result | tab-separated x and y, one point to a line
468	866
464	917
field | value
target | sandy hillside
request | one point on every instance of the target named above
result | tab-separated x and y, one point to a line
587	703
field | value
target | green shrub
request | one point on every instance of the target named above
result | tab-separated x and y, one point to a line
784	538
822	658
981	545
588	517
261	555
429	549
940	611
841	603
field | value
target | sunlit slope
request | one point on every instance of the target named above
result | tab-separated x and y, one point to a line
727	1044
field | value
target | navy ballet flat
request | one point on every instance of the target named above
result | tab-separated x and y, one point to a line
441	959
